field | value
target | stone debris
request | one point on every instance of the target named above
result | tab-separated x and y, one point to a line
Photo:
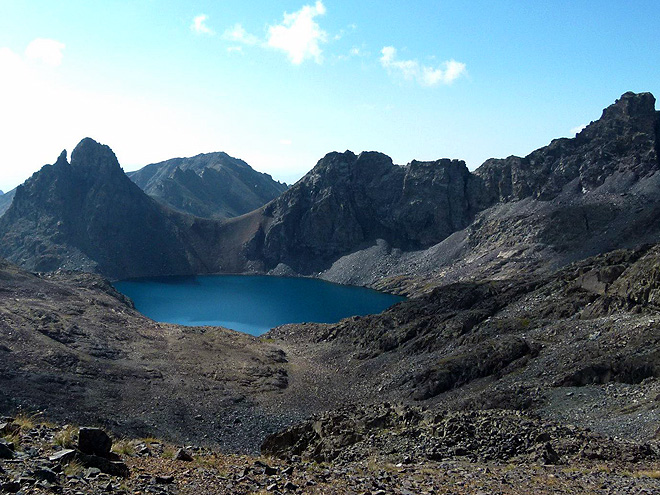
43	467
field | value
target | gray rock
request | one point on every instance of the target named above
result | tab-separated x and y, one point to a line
45	474
113	468
64	456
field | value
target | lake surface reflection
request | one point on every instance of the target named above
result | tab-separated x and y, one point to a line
250	304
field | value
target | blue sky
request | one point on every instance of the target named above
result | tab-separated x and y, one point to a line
280	84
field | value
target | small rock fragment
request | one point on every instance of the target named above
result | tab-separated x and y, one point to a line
164	480
183	455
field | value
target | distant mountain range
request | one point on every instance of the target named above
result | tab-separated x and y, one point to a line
210	185
353	218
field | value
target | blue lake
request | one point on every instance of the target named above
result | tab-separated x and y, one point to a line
250	304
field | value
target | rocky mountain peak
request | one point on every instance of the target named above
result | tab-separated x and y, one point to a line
62	159
631	105
91	155
617	148
210	185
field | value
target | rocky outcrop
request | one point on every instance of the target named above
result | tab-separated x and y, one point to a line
88	215
350	200
409	434
209	185
613	152
567	201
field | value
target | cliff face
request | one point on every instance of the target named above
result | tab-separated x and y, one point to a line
620	147
88	215
209	185
348	200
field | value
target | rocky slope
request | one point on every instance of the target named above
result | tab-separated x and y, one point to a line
73	347
574	351
580	346
47	458
209	185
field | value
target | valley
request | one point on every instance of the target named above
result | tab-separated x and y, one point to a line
529	337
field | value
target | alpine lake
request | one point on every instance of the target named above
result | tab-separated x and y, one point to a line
250	303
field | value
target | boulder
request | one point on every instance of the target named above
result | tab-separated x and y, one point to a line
94	441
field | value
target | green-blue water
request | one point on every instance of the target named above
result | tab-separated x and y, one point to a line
251	304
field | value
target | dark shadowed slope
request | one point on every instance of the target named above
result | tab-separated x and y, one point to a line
88	215
210	185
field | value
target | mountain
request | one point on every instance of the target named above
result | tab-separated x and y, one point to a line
530	334
348	201
569	200
88	215
210	185
361	219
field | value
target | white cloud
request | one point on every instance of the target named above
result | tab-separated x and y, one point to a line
286	142
578	129
238	34
299	35
235	49
46	51
199	25
411	70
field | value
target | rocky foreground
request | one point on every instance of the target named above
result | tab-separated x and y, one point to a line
38	457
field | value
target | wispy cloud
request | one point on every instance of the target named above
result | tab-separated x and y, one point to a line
238	34
299	35
46	51
411	70
199	25
286	142
578	129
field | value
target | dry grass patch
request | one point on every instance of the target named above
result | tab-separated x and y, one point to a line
66	437
124	447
